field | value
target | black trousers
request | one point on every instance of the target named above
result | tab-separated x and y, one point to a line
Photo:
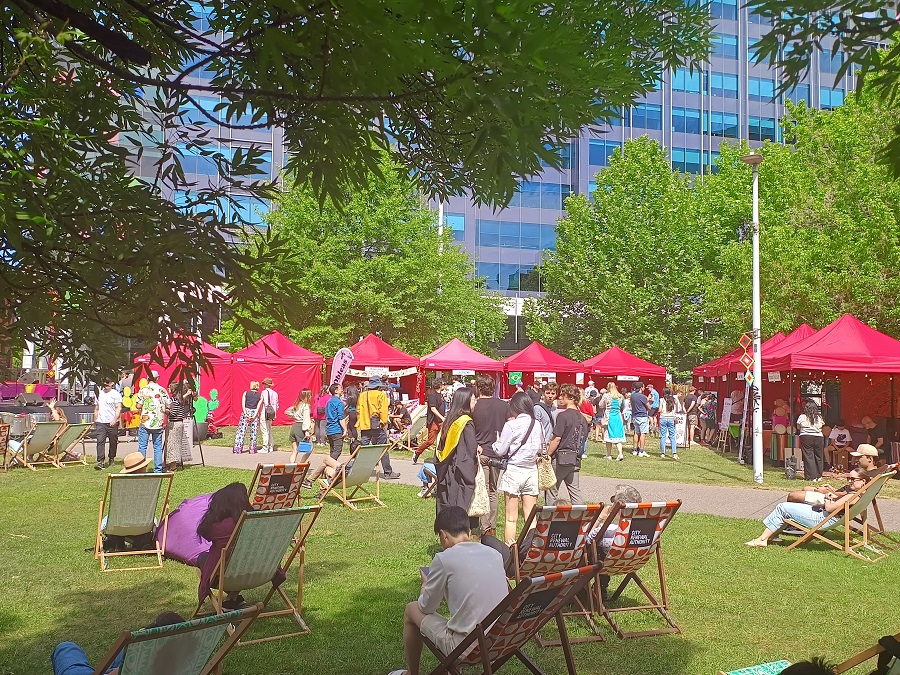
336	441
813	450
104	432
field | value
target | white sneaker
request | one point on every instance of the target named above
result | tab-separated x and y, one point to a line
643	454
263	450
422	492
634	453
609	457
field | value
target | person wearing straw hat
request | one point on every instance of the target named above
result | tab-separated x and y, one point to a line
133	463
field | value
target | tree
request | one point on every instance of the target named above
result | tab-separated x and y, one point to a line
474	96
377	265
629	265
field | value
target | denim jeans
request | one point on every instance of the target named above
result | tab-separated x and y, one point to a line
667	430
801	513
69	659
144	434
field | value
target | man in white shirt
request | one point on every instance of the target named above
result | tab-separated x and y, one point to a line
107	410
591	390
268	397
468	575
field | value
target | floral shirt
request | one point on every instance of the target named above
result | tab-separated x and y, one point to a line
153	400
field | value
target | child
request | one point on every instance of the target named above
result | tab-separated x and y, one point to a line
839	442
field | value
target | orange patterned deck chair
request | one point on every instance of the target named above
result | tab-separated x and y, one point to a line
636	540
512	623
277	486
558	543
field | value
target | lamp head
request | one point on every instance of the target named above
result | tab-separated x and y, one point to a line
753	159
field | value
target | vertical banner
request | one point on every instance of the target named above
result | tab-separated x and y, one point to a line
340	365
681	439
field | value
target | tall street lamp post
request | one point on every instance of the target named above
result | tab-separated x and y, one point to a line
754	160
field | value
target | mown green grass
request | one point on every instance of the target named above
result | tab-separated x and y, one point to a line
699	464
736	606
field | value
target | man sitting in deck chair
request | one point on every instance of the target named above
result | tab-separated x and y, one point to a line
134	463
468	575
170	644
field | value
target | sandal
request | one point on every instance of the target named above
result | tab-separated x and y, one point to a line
755	543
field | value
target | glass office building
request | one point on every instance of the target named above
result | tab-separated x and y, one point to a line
730	98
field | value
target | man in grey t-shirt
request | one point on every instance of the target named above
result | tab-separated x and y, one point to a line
468	575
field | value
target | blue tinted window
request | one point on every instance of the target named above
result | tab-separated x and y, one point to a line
725	45
686	120
761	89
762	128
509	234
723	124
709	160
646	116
530	194
488	232
194	162
192	115
263	168
531	236
830	63
551	196
245	119
724	85
592	188
686	160
563	152
830	98
509	277
457	222
491	272
548	237
683	80
248	208
758	19
601	151
723	9
752	54
798	93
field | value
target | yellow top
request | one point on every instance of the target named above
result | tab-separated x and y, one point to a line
453	436
371	402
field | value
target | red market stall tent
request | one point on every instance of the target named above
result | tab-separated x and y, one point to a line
537	362
217	378
374	356
291	367
459	357
615	364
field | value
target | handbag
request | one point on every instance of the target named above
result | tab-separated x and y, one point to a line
480	503
546	474
270	412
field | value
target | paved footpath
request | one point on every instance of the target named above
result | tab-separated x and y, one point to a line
732	502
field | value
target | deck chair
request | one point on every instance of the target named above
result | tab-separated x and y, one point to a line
189	648
365	460
253	556
405	440
131	503
855	537
4	443
513	622
636	540
71	436
771	668
888	652
432	483
35	449
277	486
558	544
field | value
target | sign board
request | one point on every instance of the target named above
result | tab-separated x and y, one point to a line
380	371
579	378
627	378
341	365
548	375
463	372
701	379
725	419
774	377
642	532
384	372
515	378
681	439
739	376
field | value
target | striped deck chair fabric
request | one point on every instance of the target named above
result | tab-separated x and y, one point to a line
71	436
255	554
515	621
132	506
637	540
771	668
277	486
365	460
35	448
856	540
404	441
194	647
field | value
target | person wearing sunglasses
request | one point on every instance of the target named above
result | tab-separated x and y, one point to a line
810	515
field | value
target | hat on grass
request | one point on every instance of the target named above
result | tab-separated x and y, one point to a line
865	449
135	461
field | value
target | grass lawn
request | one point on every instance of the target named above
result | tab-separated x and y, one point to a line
697	465
736	606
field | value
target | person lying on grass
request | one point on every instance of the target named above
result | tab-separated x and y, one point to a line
809	515
70	659
217	525
468	575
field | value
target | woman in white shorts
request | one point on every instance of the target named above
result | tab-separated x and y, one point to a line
520	443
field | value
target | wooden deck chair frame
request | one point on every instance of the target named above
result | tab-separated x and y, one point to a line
4	443
863	656
631	550
43	435
365	460
559	543
432	482
71	436
404	441
296	545
241	619
165	480
845	518
529	607
277	486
